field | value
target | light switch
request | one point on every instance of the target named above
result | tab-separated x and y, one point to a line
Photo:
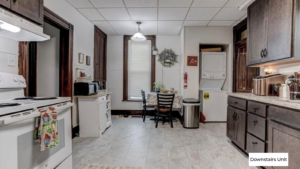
11	60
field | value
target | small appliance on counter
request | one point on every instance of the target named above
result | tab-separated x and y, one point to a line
267	85
293	86
100	85
85	89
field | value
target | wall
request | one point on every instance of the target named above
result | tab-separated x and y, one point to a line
8	47
83	38
115	69
193	36
48	63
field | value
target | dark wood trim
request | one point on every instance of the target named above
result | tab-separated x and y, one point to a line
32	71
75	131
23	63
97	61
132	100
55	20
125	64
140	112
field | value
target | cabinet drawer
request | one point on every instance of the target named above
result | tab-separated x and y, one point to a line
257	108
257	126
238	103
102	99
285	116
254	145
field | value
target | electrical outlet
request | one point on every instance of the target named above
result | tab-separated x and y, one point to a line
11	60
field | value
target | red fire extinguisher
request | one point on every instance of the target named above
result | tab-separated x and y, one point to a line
185	77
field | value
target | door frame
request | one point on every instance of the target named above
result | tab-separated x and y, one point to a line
28	58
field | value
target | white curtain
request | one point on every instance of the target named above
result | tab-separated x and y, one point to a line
139	68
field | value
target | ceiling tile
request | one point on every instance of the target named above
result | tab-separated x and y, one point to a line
114	14
80	3
172	13
91	14
202	13
168	31
141	3
170	24
221	23
105	27
195	23
234	3
244	17
175	3
123	27
143	13
107	3
209	3
229	14
147	27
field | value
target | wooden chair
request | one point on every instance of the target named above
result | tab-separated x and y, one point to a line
145	105
164	107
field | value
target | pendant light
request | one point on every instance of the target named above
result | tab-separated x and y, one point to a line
138	37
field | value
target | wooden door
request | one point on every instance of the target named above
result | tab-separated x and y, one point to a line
5	3
280	29
244	74
283	139
100	55
230	131
240	129
33	9
257	35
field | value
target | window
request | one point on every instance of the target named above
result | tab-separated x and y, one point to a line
139	68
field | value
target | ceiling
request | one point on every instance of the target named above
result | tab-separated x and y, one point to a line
158	17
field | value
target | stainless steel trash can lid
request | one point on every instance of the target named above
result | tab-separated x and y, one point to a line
190	100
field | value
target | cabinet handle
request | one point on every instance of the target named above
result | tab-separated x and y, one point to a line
255	122
235	102
254	142
262	53
15	1
255	109
265	52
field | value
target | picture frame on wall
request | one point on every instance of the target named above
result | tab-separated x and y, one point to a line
88	60
81	58
192	61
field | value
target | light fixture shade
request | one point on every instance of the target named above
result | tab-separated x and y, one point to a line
9	27
138	37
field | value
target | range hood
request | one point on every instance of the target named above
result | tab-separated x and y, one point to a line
18	29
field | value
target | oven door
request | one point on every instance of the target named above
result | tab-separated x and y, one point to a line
20	151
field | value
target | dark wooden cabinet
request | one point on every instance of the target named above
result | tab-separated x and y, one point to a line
236	126
254	145
257	33
5	3
32	10
100	55
272	34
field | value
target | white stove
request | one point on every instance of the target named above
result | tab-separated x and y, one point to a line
17	119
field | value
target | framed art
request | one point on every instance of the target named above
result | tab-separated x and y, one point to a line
88	60
81	58
192	61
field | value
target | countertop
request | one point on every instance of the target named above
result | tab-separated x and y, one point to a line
100	94
273	100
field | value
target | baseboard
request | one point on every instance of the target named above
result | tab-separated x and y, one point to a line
75	132
140	112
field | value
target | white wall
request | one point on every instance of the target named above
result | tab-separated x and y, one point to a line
83	38
115	69
8	47
48	63
193	36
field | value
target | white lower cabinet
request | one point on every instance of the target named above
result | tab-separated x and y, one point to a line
94	115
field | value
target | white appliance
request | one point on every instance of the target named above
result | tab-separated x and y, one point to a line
212	78
19	29
18	148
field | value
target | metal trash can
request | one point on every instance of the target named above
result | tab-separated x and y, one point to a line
191	113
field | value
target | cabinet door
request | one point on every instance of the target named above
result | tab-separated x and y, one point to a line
283	139
102	116
240	129
33	9
280	29
257	35
5	3
230	132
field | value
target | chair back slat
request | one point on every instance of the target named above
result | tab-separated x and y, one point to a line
143	97
165	101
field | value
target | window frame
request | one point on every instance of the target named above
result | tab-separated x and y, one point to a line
152	38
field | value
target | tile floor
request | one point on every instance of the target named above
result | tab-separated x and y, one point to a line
131	142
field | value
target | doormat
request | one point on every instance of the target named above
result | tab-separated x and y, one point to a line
103	166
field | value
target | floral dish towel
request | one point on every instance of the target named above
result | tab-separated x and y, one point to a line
46	133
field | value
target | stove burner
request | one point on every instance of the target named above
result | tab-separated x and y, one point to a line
44	98
9	104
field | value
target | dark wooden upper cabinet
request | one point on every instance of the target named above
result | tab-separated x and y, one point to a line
100	55
280	29
33	9
5	3
257	34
